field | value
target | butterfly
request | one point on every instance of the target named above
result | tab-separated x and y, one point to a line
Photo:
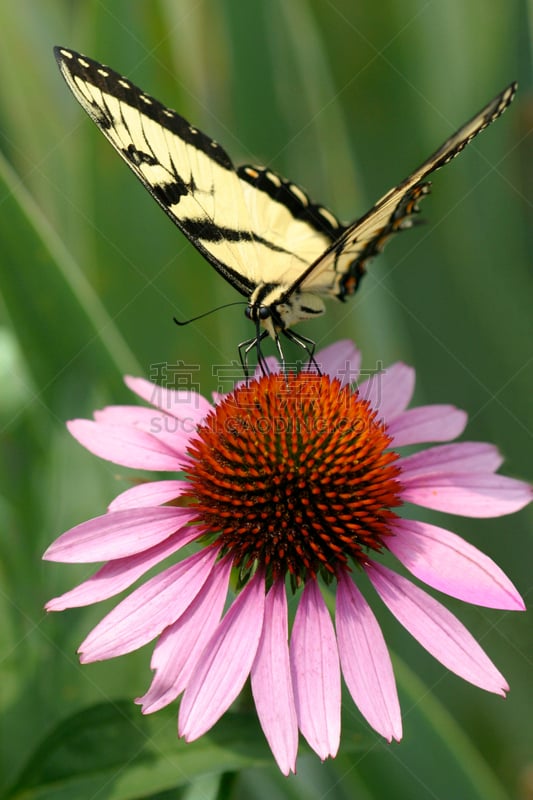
261	232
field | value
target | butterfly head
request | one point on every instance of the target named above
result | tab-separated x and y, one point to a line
275	309
264	316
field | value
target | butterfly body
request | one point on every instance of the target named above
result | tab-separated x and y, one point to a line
261	232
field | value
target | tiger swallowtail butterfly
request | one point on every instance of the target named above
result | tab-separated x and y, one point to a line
262	233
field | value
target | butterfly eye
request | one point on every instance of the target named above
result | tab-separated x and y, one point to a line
254	312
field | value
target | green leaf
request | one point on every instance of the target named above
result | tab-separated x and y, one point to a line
112	751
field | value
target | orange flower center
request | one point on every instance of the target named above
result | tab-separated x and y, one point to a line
292	473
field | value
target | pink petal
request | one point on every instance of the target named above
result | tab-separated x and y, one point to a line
174	433
225	663
149	609
137	416
436	423
271	682
390	391
459	457
468	494
151	493
341	360
316	673
185	404
436	629
124	445
116	535
117	575
180	645
448	563
365	661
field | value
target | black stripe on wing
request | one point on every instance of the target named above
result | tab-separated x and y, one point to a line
207	232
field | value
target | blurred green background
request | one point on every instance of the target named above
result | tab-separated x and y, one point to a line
345	98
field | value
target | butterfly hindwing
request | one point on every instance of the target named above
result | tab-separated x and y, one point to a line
299	229
341	267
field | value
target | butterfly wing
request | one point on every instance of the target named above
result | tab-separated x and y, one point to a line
187	173
250	224
298	230
338	271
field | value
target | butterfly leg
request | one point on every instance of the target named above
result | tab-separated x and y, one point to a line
281	354
244	350
260	357
306	344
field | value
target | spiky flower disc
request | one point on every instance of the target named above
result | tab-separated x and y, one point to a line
294	474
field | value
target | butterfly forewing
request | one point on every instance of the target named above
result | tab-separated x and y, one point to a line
190	175
252	225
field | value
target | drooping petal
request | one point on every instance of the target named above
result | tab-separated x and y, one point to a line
390	391
341	360
447	562
225	663
125	445
467	494
458	457
365	661
117	575
272	684
185	404
149	609
436	629
151	493
180	645
438	423
316	673
116	535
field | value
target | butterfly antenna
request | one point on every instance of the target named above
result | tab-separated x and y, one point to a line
207	313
